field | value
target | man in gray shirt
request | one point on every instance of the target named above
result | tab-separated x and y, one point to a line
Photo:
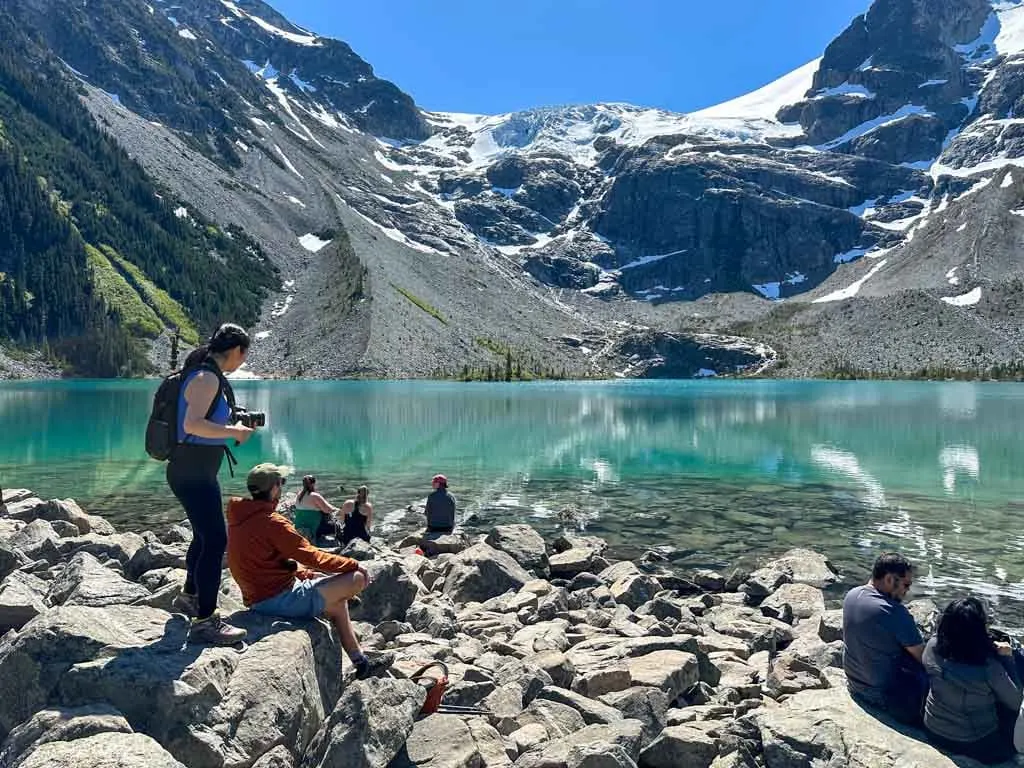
884	647
440	507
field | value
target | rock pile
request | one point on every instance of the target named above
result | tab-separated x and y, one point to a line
576	662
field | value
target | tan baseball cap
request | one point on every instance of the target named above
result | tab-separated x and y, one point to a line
263	477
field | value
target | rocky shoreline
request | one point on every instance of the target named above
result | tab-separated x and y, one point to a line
577	662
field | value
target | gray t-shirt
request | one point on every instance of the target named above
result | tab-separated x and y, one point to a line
876	629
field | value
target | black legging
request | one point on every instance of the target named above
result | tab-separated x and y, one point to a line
196	487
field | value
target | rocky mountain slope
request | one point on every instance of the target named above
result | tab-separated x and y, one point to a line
812	225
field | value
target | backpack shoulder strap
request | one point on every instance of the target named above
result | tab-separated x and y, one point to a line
223	387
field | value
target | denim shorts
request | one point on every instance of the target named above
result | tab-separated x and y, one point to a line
302	601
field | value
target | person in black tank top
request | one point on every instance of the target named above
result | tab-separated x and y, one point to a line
358	514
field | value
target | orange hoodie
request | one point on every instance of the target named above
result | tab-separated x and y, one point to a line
261	543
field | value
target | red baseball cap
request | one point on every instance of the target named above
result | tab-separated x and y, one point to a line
440	479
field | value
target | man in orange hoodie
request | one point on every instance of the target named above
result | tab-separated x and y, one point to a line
282	574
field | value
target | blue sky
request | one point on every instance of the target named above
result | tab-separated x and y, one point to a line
490	57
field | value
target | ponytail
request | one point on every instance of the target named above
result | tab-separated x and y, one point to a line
197	356
308	486
362	494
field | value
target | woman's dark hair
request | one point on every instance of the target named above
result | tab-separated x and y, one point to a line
308	486
963	635
224	339
362	494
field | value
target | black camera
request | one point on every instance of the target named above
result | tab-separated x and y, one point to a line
251	419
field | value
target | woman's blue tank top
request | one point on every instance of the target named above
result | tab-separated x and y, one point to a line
221	415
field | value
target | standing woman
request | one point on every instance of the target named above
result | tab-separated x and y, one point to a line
313	513
358	514
204	431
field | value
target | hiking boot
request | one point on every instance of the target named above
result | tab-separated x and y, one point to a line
374	664
186	604
214	631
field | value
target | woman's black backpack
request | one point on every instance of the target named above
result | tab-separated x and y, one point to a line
162	429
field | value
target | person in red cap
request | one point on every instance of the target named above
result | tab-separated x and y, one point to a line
440	507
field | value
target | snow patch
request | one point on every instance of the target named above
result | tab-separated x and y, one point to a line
962	227
966	300
309	40
181	212
648	260
281	308
863	129
1007	181
765	102
287	162
312	243
294	199
705	373
187	34
262	335
768	290
932	83
852	290
846	89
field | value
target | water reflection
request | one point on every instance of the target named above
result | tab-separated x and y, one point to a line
717	470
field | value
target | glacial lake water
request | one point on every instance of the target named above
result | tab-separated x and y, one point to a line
709	473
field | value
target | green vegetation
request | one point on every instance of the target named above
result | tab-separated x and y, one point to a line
432	311
168	309
58	297
510	365
844	370
121	299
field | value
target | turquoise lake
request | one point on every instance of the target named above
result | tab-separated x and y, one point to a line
710	473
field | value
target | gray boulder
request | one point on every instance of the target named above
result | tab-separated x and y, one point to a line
558	719
804	566
440	741
670	671
830	626
524	545
481	573
213	705
278	757
33	661
593	712
119	546
104	750
55	725
37	541
647	705
634	591
154	555
791	674
680	746
436	619
393	588
434	544
571	562
368	727
827	727
11	559
584	748
63	510
557	665
22	598
84	581
804	600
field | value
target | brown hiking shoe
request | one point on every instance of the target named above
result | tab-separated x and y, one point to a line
214	631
